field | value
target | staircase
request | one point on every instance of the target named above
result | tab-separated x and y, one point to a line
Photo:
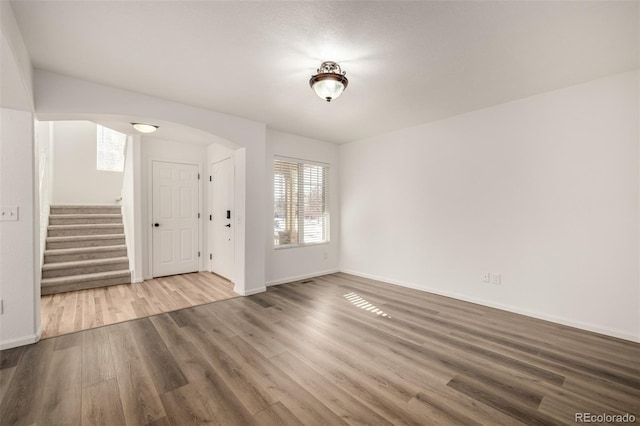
85	248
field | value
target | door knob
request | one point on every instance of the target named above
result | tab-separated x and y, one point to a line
156	224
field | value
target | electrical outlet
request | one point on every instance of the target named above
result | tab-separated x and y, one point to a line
486	278
496	278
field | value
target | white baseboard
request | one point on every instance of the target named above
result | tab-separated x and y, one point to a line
286	280
250	292
514	309
135	278
21	341
302	277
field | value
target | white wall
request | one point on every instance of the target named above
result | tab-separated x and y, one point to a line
19	242
44	151
163	150
288	264
544	190
75	177
132	201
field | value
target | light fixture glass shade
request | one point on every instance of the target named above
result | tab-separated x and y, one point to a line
329	82
144	128
328	89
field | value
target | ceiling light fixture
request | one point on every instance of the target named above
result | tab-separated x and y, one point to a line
144	128
329	82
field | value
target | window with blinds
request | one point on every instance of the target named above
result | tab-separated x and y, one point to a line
110	152
300	203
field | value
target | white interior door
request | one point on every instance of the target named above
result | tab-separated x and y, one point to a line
175	218
222	218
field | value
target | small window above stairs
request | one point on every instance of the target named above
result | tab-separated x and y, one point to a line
85	248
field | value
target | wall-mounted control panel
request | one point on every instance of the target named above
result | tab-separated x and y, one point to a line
8	213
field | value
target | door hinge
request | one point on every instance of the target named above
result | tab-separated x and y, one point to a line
210	217
210	256
210	179
198	215
198	176
198	254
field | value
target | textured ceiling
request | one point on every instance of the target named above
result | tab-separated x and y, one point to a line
407	62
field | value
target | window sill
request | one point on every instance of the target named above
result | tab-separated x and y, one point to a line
290	246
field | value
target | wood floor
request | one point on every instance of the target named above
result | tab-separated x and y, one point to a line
84	309
333	350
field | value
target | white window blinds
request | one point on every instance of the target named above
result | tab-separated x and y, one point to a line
301	202
110	150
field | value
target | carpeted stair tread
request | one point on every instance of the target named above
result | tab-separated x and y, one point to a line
85	229
84	206
83	263
89	209
85	277
87	226
74	253
83	249
77	241
79	219
84	237
83	215
79	282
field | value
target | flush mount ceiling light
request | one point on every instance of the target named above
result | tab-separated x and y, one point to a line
329	82
144	128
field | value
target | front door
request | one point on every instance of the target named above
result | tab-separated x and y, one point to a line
175	224
222	212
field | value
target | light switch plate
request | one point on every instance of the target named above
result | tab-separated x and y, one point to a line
9	213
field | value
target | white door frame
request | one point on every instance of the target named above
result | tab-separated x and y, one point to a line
149	223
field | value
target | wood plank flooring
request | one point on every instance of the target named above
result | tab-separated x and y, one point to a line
85	309
333	350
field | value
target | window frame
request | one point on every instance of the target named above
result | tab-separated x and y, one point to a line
300	163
